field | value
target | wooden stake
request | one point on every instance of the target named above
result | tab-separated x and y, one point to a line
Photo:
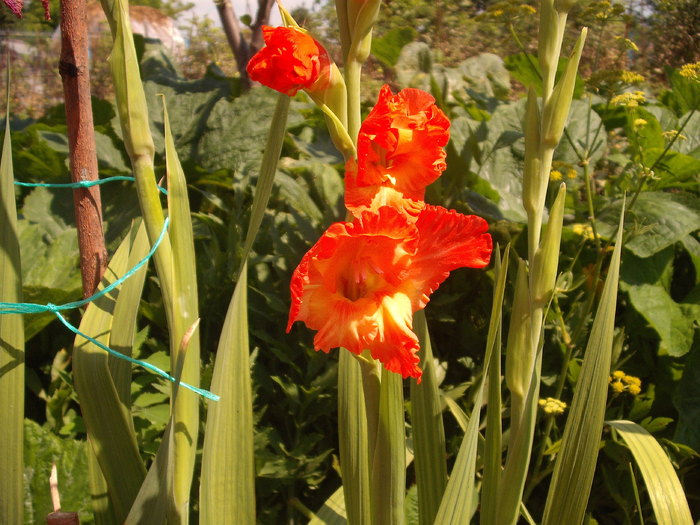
73	67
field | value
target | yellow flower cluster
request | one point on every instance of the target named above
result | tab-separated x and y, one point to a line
584	230
621	382
629	100
691	71
614	77
506	11
672	134
602	10
552	406
555	175
626	43
639	123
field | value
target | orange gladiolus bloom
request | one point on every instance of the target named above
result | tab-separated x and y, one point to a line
361	282
291	60
400	150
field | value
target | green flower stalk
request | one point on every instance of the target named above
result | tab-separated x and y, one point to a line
175	270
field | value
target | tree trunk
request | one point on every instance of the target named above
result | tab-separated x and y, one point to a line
236	42
73	67
241	48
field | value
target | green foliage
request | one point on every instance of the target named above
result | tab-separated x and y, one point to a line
387	48
42	448
219	134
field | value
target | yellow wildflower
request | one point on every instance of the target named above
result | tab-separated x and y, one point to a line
506	11
571	173
630	77
629	99
691	71
621	382
552	406
584	230
633	389
639	123
626	43
617	387
555	175
631	380
671	134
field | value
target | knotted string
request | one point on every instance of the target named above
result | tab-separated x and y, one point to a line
81	183
33	308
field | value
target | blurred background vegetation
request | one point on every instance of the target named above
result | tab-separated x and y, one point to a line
634	129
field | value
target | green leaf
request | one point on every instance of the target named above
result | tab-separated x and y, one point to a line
647	138
428	431
42	448
581	135
647	282
332	512
414	65
388	476
268	169
674	168
107	421
102	507
352	436
387	48
661	219
525	69
11	346
686	399
690	145
153	504
663	486
185	313
484	74
126	309
576	460
684	95
500	166
491	490
459	501
228	472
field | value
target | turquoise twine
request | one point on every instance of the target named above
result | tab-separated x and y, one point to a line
33	308
81	184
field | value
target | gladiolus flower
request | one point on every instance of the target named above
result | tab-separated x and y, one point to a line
291	60
360	284
400	151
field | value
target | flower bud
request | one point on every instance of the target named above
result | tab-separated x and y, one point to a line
533	187
556	110
547	254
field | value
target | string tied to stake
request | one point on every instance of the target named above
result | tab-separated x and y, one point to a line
81	183
56	309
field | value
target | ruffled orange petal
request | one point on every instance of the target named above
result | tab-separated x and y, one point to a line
448	240
400	146
346	288
360	199
396	346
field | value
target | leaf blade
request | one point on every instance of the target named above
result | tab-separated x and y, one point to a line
11	347
576	462
665	490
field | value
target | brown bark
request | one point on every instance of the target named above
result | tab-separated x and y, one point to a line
241	48
73	67
262	18
62	518
232	30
